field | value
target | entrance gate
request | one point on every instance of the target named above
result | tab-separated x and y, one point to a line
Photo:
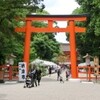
71	28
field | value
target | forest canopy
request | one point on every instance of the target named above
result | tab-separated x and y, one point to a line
43	45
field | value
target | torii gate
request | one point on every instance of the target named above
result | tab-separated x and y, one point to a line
71	28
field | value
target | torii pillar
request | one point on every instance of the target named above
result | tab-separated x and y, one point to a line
28	29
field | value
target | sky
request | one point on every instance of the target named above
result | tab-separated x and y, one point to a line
60	7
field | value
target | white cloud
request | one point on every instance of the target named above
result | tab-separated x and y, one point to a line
60	7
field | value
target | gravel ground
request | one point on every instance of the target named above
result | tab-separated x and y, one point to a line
51	89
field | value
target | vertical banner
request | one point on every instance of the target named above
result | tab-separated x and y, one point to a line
22	71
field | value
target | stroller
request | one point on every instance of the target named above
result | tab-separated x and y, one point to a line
28	82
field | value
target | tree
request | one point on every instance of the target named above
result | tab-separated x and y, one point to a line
9	10
45	46
13	42
89	41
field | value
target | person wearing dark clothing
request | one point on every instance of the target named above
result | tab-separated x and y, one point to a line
39	76
50	70
58	74
34	77
67	74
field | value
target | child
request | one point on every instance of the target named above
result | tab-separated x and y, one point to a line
28	81
67	75
61	79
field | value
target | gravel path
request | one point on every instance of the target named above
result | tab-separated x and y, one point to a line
50	89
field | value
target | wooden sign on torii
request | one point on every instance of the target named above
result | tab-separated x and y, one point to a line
71	28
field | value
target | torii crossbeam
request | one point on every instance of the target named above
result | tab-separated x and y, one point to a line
71	28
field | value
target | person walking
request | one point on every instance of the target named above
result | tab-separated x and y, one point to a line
67	72
58	74
50	70
39	75
34	76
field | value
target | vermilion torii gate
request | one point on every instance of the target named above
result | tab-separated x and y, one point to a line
71	28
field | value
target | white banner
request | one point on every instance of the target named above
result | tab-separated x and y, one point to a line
22	71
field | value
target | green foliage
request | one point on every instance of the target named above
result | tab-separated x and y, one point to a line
89	41
45	46
11	42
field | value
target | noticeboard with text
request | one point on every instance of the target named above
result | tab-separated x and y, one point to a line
22	71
